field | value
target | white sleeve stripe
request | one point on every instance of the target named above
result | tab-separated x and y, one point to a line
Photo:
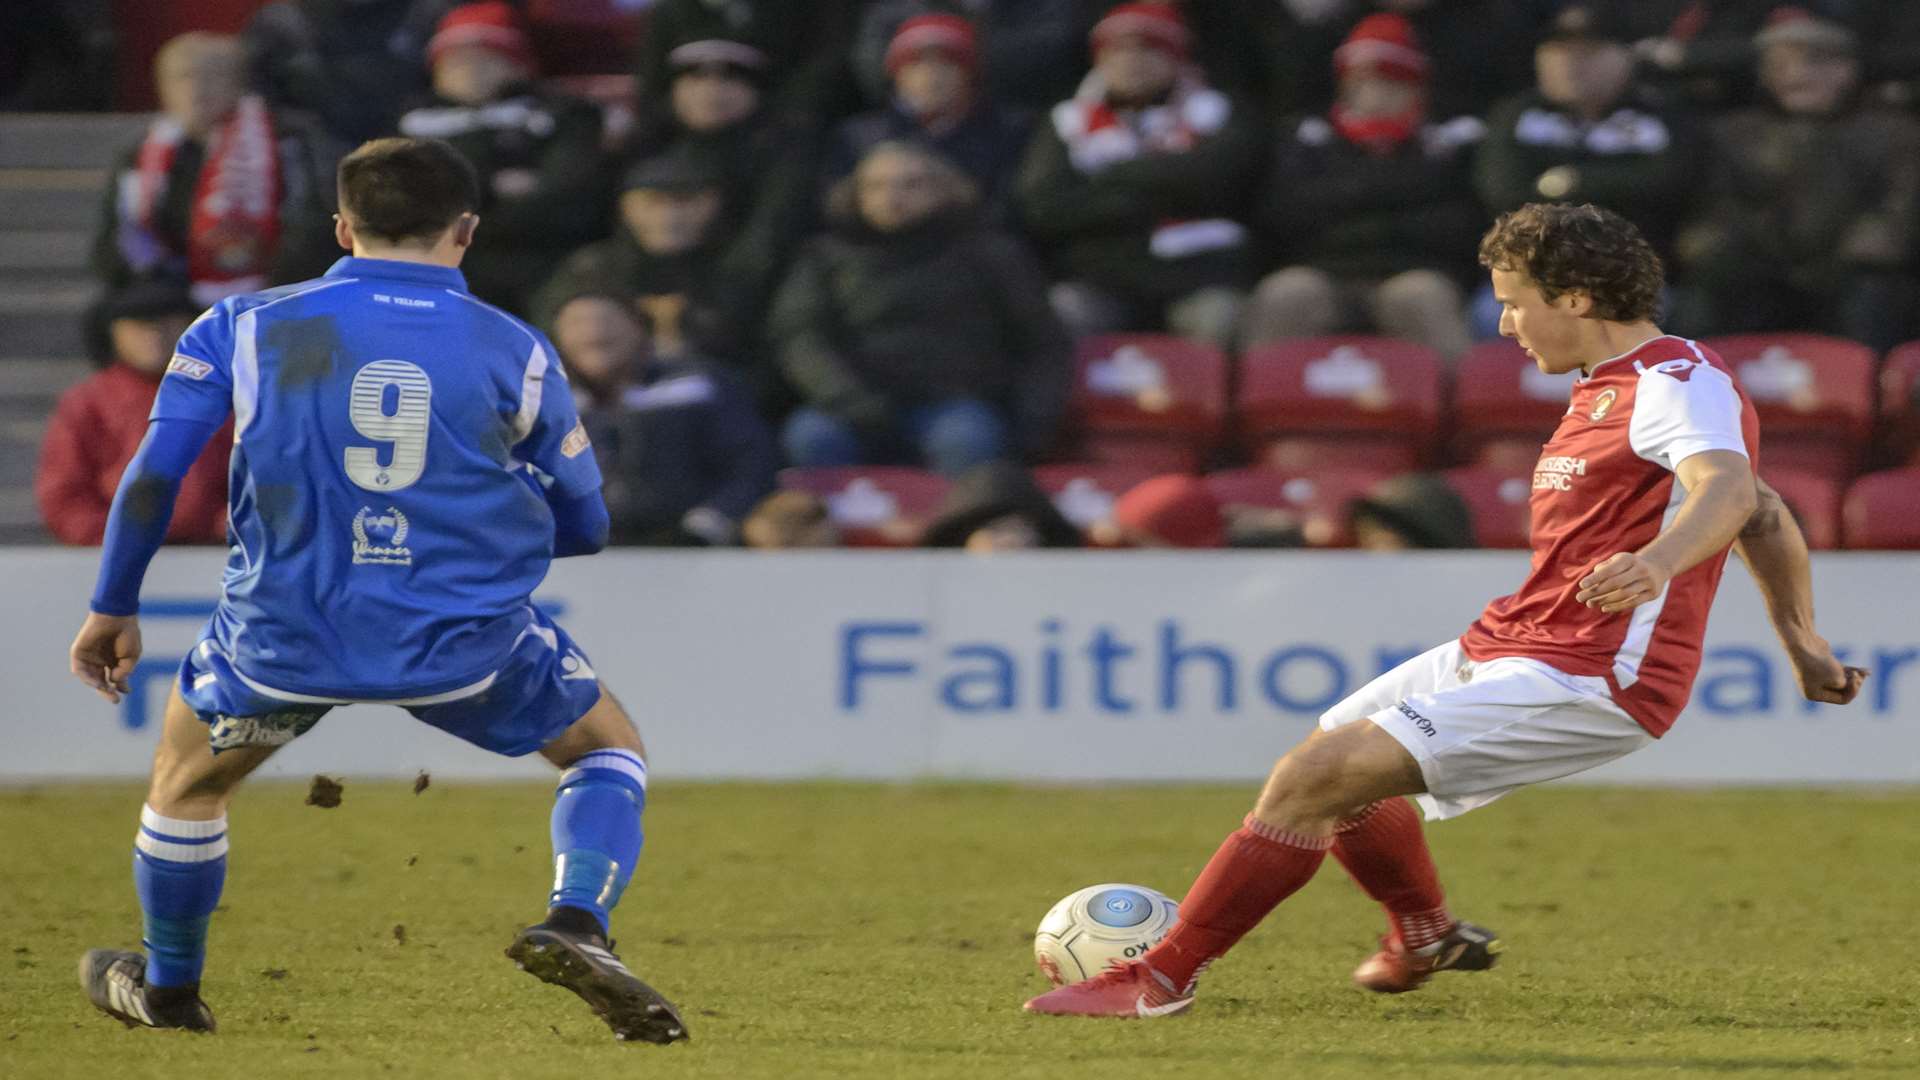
531	385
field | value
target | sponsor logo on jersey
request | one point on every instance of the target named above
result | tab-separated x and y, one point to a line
1557	473
381	538
576	441
188	366
1603	405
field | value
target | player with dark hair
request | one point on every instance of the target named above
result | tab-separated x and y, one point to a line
1636	499
406	462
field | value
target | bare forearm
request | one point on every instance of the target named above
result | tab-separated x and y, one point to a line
1713	515
1775	552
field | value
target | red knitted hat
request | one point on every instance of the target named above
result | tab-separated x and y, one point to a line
1386	43
1175	509
493	24
1159	24
949	34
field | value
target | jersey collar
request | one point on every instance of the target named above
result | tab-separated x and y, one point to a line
394	270
1628	355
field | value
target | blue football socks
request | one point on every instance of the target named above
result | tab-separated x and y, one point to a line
178	869
596	830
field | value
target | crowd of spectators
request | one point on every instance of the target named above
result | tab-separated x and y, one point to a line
869	232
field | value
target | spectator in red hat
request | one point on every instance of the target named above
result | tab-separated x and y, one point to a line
933	63
542	174
1808	221
1372	206
98	425
1172	511
1480	48
1031	51
1137	187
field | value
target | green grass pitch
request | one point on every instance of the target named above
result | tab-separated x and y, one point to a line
853	931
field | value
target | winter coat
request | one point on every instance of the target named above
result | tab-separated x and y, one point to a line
306	246
986	145
352	63
718	321
95	430
684	436
1334	206
524	235
1099	226
1640	160
867	323
1812	198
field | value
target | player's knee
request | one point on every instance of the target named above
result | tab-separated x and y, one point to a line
1304	785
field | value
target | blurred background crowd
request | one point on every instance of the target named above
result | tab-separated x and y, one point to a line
1013	273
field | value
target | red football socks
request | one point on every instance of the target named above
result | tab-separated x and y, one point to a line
1257	867
1385	851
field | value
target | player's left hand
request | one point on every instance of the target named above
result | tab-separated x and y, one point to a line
1621	582
104	653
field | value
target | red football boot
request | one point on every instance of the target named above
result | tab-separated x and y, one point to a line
1125	990
1394	970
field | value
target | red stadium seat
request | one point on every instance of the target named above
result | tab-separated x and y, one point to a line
1900	405
1333	401
1085	492
873	507
1814	499
1319	498
1814	395
1499	501
1504	406
1154	400
1883	510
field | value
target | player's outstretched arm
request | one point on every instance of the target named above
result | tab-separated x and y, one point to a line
108	644
1720	499
1775	552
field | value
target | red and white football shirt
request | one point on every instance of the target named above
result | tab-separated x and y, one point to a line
1605	484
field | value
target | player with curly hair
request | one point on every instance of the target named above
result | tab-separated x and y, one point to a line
1637	498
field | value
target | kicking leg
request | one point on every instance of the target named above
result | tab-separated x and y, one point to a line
1276	851
596	842
179	867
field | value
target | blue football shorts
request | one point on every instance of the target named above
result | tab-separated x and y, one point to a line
545	685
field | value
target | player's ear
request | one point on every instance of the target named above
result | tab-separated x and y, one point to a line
342	232
463	230
1577	302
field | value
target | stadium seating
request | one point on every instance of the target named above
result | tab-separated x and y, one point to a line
1154	401
1504	406
1814	499
1085	492
1336	401
1814	395
1899	407
1498	498
1882	510
876	506
1319	497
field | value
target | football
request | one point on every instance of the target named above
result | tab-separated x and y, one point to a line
1098	925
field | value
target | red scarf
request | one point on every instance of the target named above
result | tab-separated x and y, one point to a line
1381	135
235	224
1097	136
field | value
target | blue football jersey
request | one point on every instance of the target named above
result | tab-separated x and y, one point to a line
386	532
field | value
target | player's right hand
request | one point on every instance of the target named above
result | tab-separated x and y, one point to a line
104	653
1822	676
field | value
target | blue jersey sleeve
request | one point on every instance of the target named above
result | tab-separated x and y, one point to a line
556	442
143	508
198	385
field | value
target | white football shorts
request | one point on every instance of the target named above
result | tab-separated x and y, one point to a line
1480	730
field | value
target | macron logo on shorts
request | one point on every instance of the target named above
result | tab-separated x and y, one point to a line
1419	721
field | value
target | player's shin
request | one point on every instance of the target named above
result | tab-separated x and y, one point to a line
179	868
1253	871
1385	851
596	834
